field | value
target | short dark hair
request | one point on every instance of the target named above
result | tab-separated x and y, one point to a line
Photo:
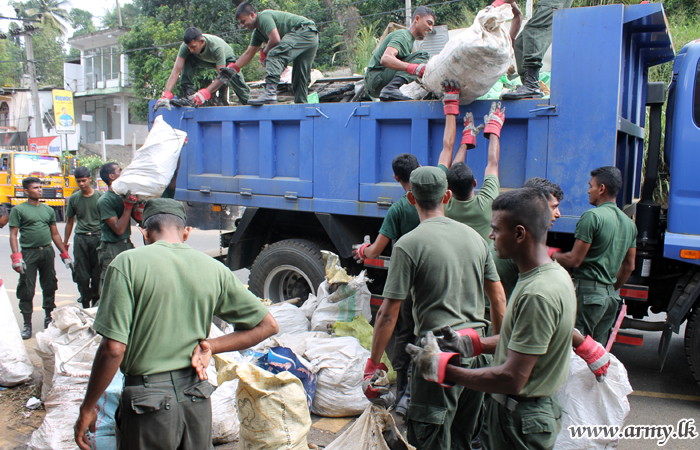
159	222
106	170
29	181
429	205
3	211
460	180
546	186
610	177
82	172
424	11
192	34
527	207
244	9
403	165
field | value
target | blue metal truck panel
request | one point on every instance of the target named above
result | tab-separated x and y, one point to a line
336	157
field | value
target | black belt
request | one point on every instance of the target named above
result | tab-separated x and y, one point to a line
121	241
90	233
145	380
36	248
511	401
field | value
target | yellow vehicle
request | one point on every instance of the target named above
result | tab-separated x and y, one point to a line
16	166
70	163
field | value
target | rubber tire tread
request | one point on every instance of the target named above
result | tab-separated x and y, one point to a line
692	342
279	253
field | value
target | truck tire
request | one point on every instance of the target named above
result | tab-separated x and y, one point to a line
288	269
692	342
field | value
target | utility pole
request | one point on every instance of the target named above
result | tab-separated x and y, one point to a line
408	13
38	123
119	13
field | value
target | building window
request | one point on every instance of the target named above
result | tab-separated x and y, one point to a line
4	115
101	64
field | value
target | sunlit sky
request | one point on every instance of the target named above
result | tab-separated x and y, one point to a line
96	7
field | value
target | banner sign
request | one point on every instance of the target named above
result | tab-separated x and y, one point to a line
63	110
50	145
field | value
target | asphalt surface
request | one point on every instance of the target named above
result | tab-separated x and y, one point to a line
658	399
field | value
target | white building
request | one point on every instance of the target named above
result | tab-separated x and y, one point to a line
102	90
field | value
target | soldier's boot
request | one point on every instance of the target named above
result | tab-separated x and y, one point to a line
47	319
391	91
27	331
269	97
530	87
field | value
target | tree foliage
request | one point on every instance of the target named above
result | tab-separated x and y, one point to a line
129	11
81	21
53	13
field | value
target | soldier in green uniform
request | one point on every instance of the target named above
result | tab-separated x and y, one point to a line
82	205
394	63
203	51
36	222
447	268
155	316
115	220
290	39
603	255
531	355
507	269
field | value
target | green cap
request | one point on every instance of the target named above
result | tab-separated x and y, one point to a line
163	206
428	183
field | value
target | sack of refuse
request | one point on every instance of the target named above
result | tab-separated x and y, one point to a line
375	429
585	401
290	318
15	365
154	164
225	426
341	363
476	58
362	330
271	407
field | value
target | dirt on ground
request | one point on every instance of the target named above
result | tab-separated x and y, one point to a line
17	422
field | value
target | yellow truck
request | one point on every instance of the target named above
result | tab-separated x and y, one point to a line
70	163
16	166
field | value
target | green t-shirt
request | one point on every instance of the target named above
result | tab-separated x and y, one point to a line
216	51
443	264
475	212
540	321
111	205
168	193
85	210
611	233
401	218
401	40
268	20
507	271
162	310
34	222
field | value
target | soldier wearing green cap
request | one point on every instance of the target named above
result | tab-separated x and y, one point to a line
155	316
448	269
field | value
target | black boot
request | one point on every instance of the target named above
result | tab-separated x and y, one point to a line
269	97
27	331
401	384
47	319
530	87
391	91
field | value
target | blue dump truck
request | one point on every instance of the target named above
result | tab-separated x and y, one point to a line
319	176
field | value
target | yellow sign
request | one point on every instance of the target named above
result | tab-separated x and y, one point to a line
63	111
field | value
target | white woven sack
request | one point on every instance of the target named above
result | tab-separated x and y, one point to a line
154	164
15	366
476	58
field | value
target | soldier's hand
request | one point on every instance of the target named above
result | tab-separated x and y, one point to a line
430	361
595	356
129	200
494	121
86	421
18	263
201	358
164	100
466	342
470	132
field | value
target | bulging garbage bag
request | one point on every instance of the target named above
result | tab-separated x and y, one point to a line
15	366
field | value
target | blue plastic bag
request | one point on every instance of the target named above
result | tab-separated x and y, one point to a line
283	359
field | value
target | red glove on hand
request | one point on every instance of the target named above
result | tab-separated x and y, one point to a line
234	67
263	57
596	357
470	131
552	250
137	214
498	3
370	370
494	121
130	201
18	263
450	101
167	94
65	255
430	361
201	96
416	69
359	253
67	246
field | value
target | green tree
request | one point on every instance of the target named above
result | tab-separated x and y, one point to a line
81	21
53	12
49	56
129	12
10	72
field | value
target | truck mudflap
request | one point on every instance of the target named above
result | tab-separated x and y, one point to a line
682	300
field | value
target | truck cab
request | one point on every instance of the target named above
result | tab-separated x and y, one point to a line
16	166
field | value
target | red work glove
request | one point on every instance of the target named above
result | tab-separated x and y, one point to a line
167	94
416	69
359	253
370	369
201	96
137	214
129	201
164	100
65	257
67	246
596	357
18	263
234	67
470	132
494	121
263	57
498	3
552	250
450	101
466	342
430	361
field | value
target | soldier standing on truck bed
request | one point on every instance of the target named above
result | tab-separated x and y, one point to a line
447	268
206	51
290	39
401	218
603	255
36	222
82	205
155	319
394	63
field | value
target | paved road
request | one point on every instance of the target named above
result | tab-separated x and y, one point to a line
659	398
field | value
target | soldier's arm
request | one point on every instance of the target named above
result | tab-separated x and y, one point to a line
497	296
273	40
56	237
384	327
575	257
494	155
448	141
14	242
120	225
509	378
377	247
390	61
69	228
247	56
175	73
626	268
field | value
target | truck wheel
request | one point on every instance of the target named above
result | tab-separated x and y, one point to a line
288	269
692	342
